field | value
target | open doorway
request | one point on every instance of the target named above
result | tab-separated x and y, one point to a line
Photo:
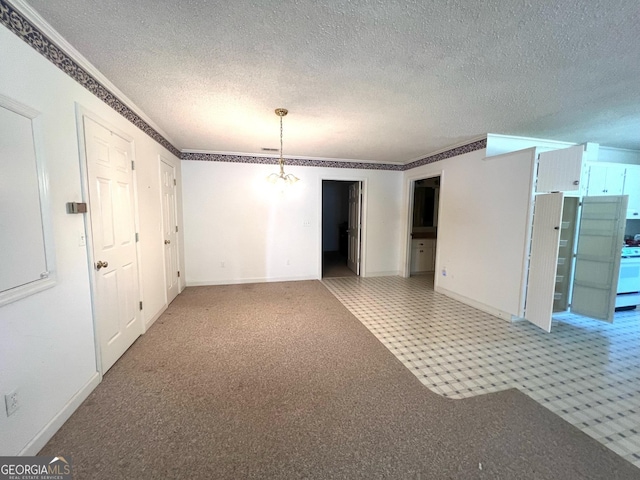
341	228
424	225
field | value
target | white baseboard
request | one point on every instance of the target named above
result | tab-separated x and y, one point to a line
395	273
153	319
237	281
44	435
475	304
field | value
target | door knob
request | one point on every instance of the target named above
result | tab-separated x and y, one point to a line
101	264
167	242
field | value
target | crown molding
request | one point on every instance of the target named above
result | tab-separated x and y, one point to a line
26	23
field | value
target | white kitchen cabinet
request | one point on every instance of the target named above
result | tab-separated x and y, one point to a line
632	188
423	255
560	170
606	179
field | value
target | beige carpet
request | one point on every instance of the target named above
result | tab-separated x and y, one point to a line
281	381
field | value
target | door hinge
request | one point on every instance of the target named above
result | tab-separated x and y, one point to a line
174	182
176	228
133	165
140	305
178	273
137	237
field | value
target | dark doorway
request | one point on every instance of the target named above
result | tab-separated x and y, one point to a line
335	228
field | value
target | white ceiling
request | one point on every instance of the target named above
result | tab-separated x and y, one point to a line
380	80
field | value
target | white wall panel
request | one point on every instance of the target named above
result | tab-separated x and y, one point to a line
237	229
49	335
483	223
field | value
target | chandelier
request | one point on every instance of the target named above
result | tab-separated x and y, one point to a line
282	179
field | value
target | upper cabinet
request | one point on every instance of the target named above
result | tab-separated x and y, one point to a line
632	188
615	179
606	179
560	170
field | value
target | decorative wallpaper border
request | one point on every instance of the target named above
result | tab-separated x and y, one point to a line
23	28
301	162
216	157
454	152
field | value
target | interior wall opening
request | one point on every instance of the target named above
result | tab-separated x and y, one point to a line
424	226
341	214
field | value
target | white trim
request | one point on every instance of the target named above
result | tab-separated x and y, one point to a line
410	180
41	24
148	324
475	304
501	144
81	113
162	159
446	149
43	436
50	280
363	219
395	273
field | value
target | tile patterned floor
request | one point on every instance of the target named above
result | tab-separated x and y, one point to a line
586	371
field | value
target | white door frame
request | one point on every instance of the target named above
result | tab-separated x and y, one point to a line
81	113
409	189
363	220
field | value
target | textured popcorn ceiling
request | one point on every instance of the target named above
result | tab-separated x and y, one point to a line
386	80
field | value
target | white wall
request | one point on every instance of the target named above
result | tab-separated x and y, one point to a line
232	216
482	226
47	340
618	155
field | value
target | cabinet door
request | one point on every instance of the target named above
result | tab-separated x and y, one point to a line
543	260
597	180
606	179
560	170
632	188
615	179
422	256
597	264
428	264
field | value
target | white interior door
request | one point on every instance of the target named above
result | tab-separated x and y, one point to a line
112	210
600	235
169	229
354	232
543	261
560	170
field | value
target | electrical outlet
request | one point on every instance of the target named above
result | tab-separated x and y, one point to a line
306	223
11	402
82	240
